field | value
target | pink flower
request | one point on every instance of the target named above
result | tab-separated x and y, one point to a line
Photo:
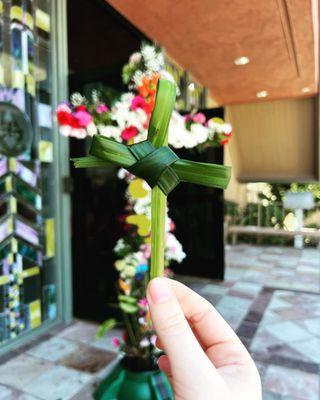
102	108
199	118
168	273
63	107
129	132
172	226
83	118
115	342
139	102
143	303
145	248
153	340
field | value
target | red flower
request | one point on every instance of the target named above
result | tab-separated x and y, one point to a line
224	141
129	133
64	118
139	102
74	122
81	108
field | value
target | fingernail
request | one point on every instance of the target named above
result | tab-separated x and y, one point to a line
159	290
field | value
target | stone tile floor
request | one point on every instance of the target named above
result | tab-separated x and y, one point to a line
270	297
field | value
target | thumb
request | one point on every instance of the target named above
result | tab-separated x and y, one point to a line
189	364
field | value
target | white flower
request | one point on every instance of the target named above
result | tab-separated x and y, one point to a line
189	140
137	78
127	265
65	130
144	343
110	131
153	60
128	271
227	128
142	135
200	132
177	130
91	129
141	116
122	173
135	58
120	245
142	321
78	133
77	99
143	205
126	99
173	250
95	96
166	75
120	265
148	52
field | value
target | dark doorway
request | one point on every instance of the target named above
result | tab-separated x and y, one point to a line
100	42
197	212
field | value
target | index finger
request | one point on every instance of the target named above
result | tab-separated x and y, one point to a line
220	342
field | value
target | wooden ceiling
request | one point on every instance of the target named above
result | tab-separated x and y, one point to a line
280	37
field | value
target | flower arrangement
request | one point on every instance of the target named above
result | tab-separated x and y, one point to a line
126	121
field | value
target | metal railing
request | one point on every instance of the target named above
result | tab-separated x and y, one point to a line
268	215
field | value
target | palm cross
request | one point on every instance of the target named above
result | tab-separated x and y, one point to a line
153	161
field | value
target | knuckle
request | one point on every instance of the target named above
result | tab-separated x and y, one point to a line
201	316
173	325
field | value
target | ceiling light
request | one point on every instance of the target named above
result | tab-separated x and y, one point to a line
306	90
262	93
243	60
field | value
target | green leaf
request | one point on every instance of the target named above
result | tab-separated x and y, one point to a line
105	327
128	308
213	175
127	299
90	162
161	114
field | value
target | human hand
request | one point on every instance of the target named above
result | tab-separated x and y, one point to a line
204	358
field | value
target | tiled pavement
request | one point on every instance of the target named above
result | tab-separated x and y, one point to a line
270	297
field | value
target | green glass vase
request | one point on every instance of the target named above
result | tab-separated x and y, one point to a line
124	384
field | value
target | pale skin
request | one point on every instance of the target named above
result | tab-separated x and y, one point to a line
204	357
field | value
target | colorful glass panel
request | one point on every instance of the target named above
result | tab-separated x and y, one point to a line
27	243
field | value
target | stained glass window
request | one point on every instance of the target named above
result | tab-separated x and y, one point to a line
27	225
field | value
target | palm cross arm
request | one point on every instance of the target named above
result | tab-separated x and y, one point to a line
157	166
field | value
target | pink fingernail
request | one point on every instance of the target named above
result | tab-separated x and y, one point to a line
159	290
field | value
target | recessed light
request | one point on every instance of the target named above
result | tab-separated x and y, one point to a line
262	93
306	90
243	60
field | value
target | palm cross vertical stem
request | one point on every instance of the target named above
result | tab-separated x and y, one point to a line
153	161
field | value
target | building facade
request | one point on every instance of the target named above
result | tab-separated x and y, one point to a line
35	289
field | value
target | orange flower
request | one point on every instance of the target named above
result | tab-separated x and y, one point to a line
149	86
124	286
